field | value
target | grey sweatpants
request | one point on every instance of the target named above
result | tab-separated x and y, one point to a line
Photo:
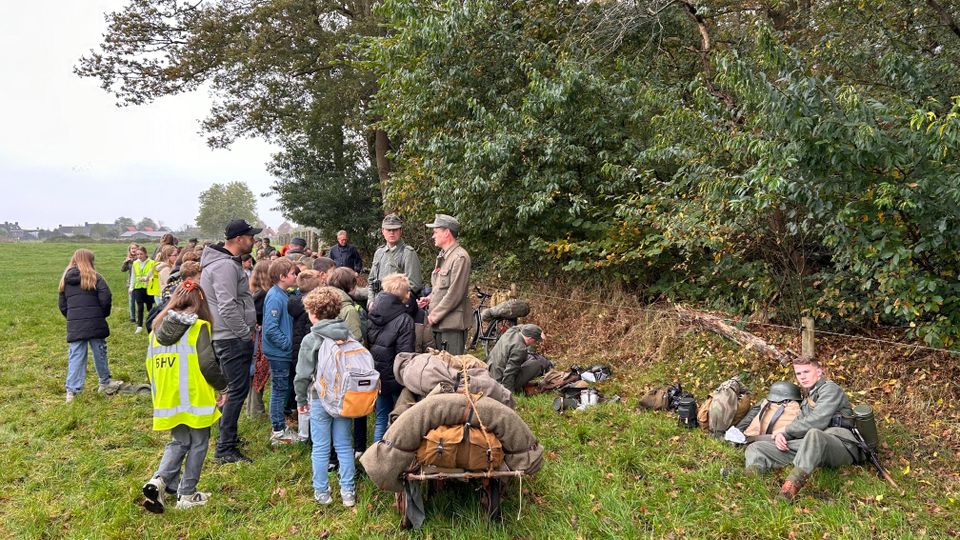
819	448
187	447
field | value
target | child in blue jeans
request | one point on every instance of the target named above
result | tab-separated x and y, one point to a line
85	301
277	343
323	306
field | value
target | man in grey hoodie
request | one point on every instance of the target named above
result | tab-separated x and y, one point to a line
234	324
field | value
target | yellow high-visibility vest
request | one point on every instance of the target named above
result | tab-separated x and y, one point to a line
180	393
140	273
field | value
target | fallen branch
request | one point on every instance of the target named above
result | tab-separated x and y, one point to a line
705	321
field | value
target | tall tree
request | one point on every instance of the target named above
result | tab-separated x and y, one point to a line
123	222
146	222
283	70
222	203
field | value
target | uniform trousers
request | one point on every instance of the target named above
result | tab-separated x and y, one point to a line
819	448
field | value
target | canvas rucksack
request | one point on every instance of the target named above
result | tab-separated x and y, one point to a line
461	446
772	417
724	407
347	383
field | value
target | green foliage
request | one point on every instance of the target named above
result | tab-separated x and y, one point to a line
146	222
314	187
123	222
222	203
798	159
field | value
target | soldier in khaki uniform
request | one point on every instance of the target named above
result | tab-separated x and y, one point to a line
396	257
449	303
809	441
509	361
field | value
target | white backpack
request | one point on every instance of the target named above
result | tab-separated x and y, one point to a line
346	381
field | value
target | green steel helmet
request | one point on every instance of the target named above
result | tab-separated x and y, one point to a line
782	391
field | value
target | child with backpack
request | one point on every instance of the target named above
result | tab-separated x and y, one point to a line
335	382
181	352
344	281
85	301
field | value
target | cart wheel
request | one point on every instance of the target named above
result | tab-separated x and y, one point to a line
490	498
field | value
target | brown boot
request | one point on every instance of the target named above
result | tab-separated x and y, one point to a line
793	483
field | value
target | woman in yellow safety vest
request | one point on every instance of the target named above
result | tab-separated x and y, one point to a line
146	284
184	378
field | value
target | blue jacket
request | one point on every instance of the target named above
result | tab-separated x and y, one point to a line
277	325
346	256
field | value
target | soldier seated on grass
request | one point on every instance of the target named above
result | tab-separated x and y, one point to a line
812	440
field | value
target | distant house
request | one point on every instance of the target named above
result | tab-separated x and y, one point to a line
285	228
14	230
145	234
94	230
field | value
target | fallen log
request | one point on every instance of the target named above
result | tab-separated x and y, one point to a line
705	321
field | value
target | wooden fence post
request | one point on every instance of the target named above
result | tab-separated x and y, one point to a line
808	346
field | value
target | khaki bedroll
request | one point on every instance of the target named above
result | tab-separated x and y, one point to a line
387	460
421	373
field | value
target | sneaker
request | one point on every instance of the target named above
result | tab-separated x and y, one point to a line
71	396
349	498
199	498
137	331
153	491
232	456
322	497
110	387
283	436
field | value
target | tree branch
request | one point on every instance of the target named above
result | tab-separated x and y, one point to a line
945	17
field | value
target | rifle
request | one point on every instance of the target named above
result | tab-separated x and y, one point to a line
872	456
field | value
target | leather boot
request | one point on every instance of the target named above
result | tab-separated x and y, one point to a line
793	483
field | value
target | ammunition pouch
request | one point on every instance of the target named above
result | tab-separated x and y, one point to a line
842	421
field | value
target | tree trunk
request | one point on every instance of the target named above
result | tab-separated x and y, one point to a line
749	341
381	146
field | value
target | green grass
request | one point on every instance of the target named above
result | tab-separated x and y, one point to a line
75	471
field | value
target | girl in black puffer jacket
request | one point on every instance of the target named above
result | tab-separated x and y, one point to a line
85	301
391	331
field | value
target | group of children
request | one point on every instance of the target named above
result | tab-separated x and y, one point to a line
302	311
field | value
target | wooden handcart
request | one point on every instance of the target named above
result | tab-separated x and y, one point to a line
492	485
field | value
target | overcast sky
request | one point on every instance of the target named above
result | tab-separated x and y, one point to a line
68	154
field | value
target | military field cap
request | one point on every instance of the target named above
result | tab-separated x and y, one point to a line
240	227
445	222
532	331
297	241
391	222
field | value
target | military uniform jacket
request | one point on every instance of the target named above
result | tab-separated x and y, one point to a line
825	399
506	357
449	301
399	259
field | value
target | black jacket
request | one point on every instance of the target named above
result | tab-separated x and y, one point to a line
391	331
258	299
86	311
301	323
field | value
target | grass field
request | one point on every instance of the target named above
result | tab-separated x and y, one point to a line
75	471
